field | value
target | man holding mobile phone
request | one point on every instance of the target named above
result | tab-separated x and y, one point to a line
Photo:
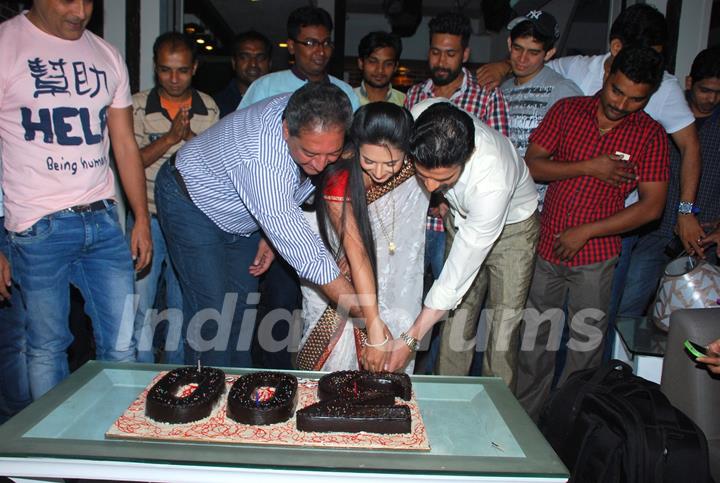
584	214
712	359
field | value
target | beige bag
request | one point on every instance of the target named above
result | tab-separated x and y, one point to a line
687	283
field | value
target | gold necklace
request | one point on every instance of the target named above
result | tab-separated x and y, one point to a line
604	131
389	239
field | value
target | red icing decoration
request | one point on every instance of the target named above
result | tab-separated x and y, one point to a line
265	393
185	391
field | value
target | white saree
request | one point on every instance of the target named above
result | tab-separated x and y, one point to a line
400	277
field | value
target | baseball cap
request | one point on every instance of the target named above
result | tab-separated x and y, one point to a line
543	22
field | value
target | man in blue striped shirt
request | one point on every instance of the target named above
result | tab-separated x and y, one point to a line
233	192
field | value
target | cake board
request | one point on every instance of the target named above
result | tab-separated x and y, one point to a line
218	428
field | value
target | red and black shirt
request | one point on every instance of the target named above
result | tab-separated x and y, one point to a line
571	134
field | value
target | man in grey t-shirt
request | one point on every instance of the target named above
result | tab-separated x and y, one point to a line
534	88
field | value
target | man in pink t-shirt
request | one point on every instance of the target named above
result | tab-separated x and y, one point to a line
64	95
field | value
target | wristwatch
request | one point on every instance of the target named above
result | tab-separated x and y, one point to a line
687	208
410	341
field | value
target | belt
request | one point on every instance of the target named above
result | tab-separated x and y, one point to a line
178	177
94	206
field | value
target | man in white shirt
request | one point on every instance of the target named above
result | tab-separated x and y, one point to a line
494	201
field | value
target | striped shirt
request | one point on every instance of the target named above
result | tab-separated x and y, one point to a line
487	105
241	175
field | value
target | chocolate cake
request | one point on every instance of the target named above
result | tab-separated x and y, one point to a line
245	405
345	384
354	401
353	416
165	405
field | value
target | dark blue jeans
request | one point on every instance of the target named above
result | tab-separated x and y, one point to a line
434	251
281	298
89	251
618	288
621	273
14	385
434	261
148	330
219	294
646	266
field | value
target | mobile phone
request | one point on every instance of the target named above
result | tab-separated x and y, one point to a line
623	156
695	350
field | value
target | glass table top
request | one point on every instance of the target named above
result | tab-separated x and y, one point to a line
641	336
475	427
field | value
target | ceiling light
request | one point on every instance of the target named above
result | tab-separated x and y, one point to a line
193	28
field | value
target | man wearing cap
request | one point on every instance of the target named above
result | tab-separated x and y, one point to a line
533	88
638	25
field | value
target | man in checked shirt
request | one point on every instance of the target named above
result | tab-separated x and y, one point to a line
593	151
449	49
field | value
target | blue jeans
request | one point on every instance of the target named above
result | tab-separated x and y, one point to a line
280	292
644	271
621	272
89	251
212	267
14	385
147	319
618	288
434	261
434	251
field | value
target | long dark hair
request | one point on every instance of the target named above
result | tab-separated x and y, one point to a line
379	123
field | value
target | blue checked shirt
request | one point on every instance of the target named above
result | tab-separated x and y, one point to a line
240	174
708	192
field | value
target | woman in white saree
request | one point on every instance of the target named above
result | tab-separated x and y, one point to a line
371	211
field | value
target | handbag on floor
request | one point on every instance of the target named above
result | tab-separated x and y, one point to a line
687	283
610	426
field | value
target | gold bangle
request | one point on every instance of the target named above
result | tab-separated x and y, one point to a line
368	344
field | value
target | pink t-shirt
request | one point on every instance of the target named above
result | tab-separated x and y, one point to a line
54	96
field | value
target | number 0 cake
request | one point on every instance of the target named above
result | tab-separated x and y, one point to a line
176	400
